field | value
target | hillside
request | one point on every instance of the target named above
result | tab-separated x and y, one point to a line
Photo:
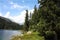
8	24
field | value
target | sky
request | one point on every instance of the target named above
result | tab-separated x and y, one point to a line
15	9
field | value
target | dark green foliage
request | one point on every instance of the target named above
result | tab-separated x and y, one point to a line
50	12
8	24
50	35
34	18
46	17
26	24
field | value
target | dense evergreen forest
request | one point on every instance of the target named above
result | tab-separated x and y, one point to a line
8	24
45	19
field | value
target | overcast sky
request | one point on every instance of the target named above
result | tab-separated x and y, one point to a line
15	9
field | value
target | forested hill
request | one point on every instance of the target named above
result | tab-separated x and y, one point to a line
8	24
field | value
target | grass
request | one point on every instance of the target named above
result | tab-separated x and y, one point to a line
32	36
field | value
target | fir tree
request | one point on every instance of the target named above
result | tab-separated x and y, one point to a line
34	18
26	25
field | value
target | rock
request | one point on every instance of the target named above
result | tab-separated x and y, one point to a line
29	32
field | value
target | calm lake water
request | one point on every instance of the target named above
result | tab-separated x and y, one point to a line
7	34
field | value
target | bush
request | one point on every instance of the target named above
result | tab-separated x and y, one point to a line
50	35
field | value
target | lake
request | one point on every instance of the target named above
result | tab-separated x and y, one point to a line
7	34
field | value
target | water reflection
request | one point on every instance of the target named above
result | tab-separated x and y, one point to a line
7	34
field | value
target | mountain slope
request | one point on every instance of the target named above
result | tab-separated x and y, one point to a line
8	24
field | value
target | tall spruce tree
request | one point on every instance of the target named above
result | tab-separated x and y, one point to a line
26	24
34	18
